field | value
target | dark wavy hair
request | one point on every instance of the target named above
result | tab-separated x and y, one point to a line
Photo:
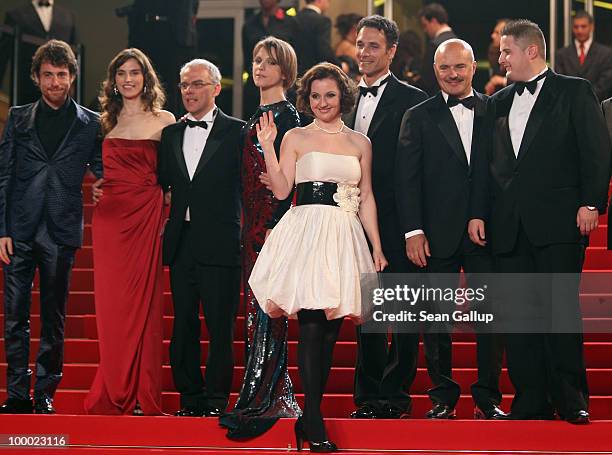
57	53
348	88
152	96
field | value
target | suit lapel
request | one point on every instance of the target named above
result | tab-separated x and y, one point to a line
540	110
215	138
349	119
446	124
177	146
79	122
28	126
480	110
388	97
34	19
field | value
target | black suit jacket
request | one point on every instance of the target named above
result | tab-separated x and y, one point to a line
397	98
606	106
37	189
179	13
597	67
563	163
63	27
433	178
428	81
313	39
213	195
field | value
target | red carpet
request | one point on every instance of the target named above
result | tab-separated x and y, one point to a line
417	436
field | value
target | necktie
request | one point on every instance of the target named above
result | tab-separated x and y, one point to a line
363	91
468	102
531	85
193	124
582	55
44	3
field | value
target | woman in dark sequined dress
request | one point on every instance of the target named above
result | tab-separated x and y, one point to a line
267	392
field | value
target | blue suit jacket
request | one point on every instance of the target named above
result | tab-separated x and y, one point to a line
37	189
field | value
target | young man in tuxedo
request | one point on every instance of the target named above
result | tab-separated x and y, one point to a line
382	371
43	19
44	154
442	144
586	57
199	162
549	176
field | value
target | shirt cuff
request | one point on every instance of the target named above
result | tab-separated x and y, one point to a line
407	235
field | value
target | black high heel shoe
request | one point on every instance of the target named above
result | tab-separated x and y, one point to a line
315	446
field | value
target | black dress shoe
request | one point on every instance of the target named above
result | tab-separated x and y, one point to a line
16	406
365	411
441	411
211	411
492	413
580	417
394	412
43	406
189	412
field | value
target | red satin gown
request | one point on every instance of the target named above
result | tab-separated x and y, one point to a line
127	226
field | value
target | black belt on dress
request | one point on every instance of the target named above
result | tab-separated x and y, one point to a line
316	193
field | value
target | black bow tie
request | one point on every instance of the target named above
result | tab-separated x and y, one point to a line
531	85
194	123
468	102
363	91
42	3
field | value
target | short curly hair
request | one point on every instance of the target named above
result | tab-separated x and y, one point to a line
57	53
348	89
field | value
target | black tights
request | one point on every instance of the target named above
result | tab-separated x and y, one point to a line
315	347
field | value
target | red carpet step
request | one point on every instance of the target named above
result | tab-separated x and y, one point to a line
374	436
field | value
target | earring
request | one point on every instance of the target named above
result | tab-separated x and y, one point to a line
144	89
115	91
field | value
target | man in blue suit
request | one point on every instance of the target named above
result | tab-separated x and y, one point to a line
44	153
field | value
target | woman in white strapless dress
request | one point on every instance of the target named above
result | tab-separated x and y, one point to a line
311	264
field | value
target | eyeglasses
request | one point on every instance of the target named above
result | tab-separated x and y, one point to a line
196	85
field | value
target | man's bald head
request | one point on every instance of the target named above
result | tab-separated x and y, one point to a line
454	45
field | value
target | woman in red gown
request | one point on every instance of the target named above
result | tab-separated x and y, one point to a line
126	226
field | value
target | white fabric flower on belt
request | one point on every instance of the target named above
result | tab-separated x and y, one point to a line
347	197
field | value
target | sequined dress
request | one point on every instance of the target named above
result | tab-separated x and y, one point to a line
267	392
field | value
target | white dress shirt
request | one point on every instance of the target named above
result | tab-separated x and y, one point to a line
194	141
587	46
45	13
464	120
520	112
366	106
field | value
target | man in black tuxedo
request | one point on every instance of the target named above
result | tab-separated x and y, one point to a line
434	22
44	154
550	170
382	371
313	38
43	19
443	142
199	162
587	58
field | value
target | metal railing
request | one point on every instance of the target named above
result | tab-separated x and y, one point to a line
17	38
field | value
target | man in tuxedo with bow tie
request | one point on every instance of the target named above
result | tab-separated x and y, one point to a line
382	371
442	145
45	151
549	175
43	19
199	163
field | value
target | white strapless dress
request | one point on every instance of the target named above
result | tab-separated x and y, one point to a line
314	257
